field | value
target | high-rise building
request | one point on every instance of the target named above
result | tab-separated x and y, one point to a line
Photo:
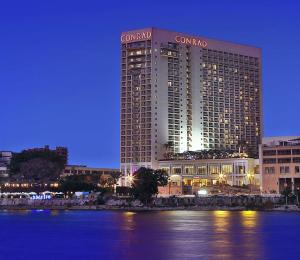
186	93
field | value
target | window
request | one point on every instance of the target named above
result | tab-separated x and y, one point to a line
166	169
214	169
284	160
189	170
284	169
296	160
269	160
227	169
269	152
284	152
240	169
296	151
201	170
176	170
297	169
269	170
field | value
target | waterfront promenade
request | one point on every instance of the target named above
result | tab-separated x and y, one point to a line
234	203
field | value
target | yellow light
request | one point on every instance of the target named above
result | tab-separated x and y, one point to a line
221	213
249	218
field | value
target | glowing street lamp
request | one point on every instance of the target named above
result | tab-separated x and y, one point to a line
250	176
130	179
221	178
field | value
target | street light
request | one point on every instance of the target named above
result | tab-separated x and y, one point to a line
250	176
221	178
130	179
286	192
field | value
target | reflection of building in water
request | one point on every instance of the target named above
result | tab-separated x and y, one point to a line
221	220
250	243
249	218
223	243
129	223
235	235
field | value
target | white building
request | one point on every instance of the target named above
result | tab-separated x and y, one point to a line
190	92
207	172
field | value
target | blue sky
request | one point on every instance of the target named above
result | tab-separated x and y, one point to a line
59	65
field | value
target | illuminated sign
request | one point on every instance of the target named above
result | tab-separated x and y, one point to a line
191	41
137	36
41	197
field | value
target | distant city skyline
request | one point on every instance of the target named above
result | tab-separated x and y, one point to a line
60	80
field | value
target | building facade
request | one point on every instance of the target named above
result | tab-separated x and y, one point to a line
193	174
5	158
83	169
186	93
280	164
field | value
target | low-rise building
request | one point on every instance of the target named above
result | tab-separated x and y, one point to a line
188	176
280	164
83	169
5	158
102	177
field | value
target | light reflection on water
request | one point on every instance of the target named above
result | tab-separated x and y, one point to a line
148	235
249	219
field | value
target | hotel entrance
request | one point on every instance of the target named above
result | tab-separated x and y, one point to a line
191	185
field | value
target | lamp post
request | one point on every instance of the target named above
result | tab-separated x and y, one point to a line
250	176
285	191
221	177
130	179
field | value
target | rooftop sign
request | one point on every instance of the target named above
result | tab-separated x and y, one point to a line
191	41
136	36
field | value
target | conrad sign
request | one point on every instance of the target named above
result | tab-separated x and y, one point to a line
136	36
191	41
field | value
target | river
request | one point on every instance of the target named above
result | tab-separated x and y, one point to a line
46	234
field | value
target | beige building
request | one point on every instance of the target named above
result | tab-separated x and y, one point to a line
82	169
280	163
188	176
192	92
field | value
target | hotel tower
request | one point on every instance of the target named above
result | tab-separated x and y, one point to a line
187	93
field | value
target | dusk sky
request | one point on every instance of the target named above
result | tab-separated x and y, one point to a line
60	66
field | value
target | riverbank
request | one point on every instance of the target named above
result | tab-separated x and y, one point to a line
289	208
228	203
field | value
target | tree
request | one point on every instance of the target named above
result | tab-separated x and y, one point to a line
88	182
74	184
146	181
36	166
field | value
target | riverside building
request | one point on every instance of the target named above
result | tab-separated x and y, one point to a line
186	93
83	169
280	164
5	158
189	176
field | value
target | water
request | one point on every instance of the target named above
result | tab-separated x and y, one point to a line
149	235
